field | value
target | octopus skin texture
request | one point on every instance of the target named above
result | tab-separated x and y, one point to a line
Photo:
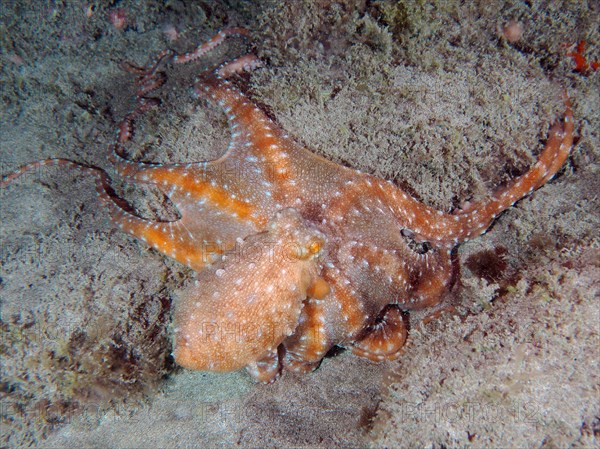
294	254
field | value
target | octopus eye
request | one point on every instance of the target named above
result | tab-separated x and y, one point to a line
415	245
422	247
315	247
305	252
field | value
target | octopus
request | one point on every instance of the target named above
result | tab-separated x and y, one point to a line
294	254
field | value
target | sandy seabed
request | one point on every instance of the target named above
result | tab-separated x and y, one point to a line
432	97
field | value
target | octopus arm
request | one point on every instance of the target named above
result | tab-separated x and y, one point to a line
466	224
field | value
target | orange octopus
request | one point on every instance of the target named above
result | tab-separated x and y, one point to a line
294	254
